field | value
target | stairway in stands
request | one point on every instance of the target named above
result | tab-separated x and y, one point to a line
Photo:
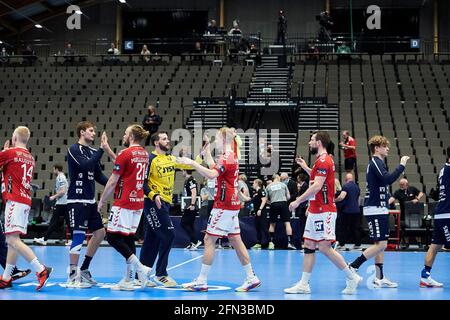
270	75
210	113
318	116
284	146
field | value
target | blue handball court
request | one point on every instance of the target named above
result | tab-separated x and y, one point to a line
277	270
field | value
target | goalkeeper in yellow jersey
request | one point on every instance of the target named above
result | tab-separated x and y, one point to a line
158	189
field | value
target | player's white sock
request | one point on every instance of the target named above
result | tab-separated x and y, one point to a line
305	277
130	274
9	268
348	272
249	270
37	266
203	276
133	260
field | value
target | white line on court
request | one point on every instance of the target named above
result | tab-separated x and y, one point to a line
95	298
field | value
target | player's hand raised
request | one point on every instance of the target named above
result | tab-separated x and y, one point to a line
104	140
404	160
185	161
6	145
301	162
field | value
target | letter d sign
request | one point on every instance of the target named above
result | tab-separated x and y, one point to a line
74	20
374	21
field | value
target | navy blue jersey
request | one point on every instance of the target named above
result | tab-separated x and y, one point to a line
443	207
378	180
84	169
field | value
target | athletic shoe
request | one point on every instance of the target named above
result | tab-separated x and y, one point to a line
430	283
68	243
5	284
219	246
166	281
299	287
271	246
357	248
352	284
189	246
340	248
43	277
290	246
257	247
195	245
249	284
123	285
150	283
195	286
144	275
40	241
17	274
75	281
86	276
384	283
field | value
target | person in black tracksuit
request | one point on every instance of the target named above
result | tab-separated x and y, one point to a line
259	201
190	211
300	212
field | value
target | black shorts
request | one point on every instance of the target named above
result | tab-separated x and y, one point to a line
441	232
350	163
279	209
84	217
378	227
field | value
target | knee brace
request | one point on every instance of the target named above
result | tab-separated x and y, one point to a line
77	242
309	251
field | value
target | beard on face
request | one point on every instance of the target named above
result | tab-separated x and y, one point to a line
164	148
126	143
314	150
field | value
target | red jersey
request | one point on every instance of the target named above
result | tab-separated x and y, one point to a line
350	153
18	167
131	164
323	201
227	182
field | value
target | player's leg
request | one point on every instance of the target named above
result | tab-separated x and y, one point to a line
166	234
150	246
273	222
201	282
438	240
309	259
187	221
17	216
52	226
286	218
379	233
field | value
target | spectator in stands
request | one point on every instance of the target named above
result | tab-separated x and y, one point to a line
212	27
402	195
349	146
69	53
145	53
235	30
60	209
350	213
313	52
113	52
4	56
330	149
254	54
300	212
30	55
343	51
151	122
291	184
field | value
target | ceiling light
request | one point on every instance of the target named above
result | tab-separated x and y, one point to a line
78	12
38	26
123	1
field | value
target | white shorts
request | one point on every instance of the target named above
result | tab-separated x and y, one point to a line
320	226
123	221
223	223
16	217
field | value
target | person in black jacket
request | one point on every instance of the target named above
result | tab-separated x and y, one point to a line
291	184
151	122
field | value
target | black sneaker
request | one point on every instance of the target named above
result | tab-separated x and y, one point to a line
17	274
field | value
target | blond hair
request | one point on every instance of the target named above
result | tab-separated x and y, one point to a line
227	134
138	132
22	133
378	141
